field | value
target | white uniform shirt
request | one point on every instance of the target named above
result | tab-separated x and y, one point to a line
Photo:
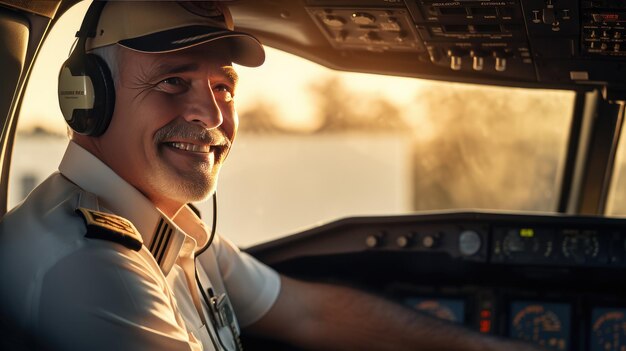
76	293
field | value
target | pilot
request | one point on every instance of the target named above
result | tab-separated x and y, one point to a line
107	254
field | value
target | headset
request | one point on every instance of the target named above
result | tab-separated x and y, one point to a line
86	89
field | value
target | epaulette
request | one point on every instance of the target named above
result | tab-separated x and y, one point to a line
110	227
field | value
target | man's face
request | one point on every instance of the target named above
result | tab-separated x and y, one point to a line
173	124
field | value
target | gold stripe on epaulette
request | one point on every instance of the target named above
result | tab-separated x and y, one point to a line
111	222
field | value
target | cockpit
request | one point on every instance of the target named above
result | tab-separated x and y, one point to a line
464	158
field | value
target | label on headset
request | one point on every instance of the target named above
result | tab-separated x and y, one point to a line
75	92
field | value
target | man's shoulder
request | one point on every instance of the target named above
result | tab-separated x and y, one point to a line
54	231
48	208
55	221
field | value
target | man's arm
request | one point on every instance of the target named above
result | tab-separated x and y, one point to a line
328	317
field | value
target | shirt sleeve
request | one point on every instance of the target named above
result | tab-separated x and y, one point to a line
100	298
252	286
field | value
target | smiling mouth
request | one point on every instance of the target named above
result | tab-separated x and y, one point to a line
198	149
191	147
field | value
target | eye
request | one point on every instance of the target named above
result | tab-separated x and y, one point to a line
223	92
173	85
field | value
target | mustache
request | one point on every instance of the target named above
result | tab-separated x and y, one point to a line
187	131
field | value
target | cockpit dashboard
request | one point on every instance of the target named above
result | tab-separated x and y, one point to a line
553	280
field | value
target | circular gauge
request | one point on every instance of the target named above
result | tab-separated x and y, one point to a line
580	248
546	325
608	330
469	243
515	244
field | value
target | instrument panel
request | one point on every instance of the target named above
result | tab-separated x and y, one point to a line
558	43
554	325
554	281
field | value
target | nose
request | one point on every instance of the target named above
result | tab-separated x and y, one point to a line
202	109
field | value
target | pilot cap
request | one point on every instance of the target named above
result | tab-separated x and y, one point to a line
168	26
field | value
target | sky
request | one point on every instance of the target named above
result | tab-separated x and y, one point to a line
282	81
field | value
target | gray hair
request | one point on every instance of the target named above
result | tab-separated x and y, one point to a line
110	55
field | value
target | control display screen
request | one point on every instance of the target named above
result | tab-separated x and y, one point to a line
608	329
545	324
452	310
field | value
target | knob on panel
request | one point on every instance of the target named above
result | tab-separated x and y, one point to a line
404	241
434	54
374	240
548	16
478	60
500	57
431	241
500	64
456	58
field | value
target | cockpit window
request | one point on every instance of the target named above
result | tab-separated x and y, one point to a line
373	145
41	133
315	145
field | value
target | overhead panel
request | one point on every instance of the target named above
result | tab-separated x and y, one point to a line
488	37
549	43
371	29
603	29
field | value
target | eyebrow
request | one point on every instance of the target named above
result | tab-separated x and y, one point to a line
231	74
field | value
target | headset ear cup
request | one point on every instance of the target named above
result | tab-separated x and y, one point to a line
104	100
86	94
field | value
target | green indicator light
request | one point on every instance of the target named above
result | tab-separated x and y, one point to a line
527	233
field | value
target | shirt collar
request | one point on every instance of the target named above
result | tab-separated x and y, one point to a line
166	238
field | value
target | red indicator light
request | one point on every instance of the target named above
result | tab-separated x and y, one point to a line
485	326
607	17
614	17
485	314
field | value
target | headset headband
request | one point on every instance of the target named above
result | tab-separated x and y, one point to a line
90	23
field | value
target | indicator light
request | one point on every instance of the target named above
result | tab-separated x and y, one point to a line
527	233
485	326
485	321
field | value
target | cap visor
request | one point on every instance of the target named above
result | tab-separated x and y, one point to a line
246	49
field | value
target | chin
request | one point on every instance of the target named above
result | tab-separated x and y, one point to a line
193	192
186	189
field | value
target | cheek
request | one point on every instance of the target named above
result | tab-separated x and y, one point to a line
120	139
145	116
231	120
156	110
